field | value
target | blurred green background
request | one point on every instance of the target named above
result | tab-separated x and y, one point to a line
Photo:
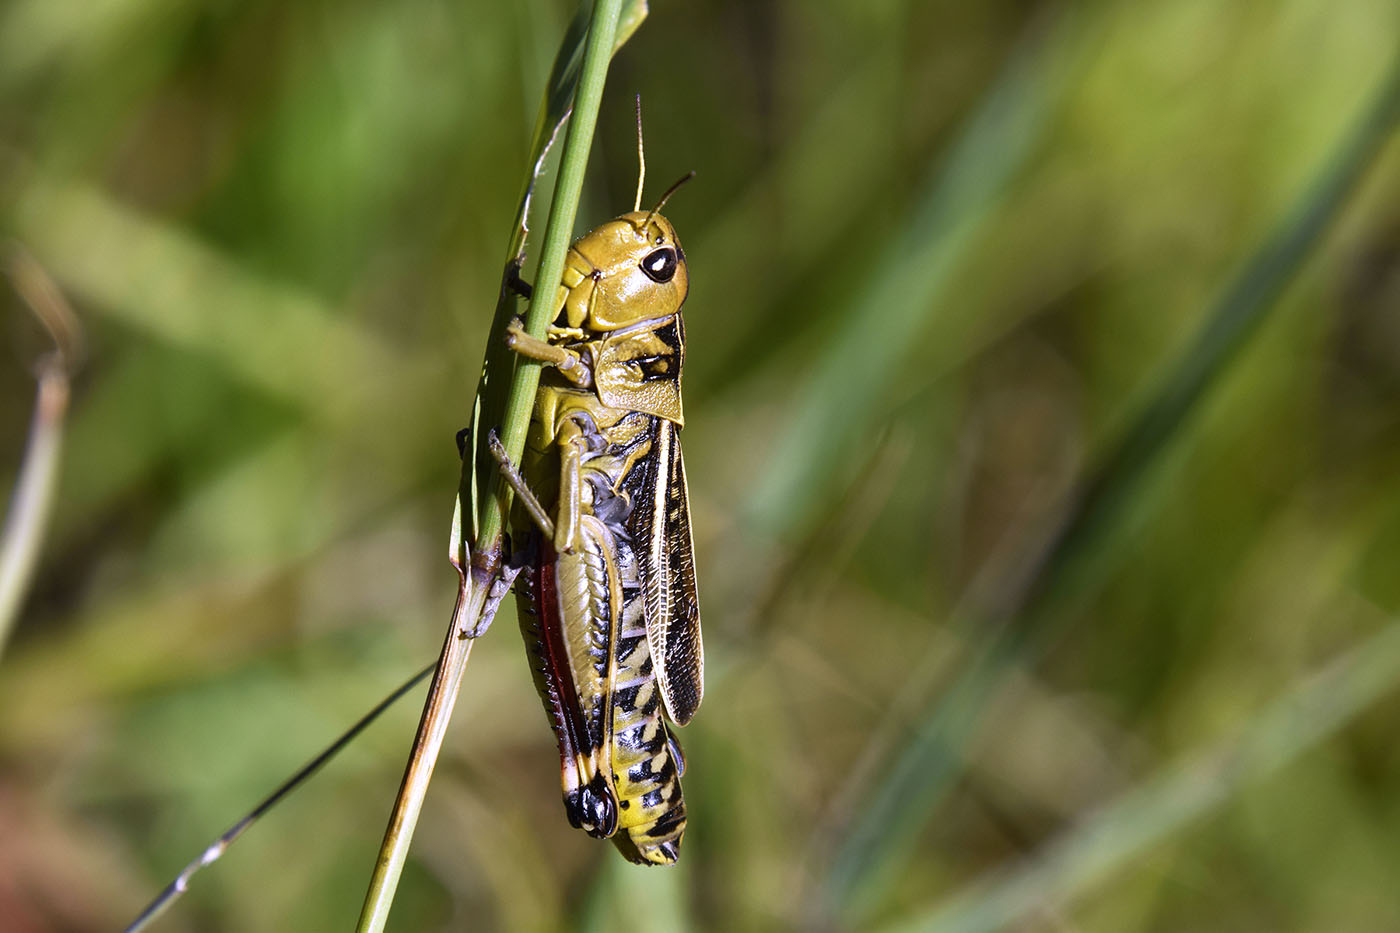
944	257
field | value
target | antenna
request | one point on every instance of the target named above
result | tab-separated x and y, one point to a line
669	191
641	157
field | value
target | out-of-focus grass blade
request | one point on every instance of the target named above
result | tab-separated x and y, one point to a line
23	532
1238	314
887	321
34	34
794	183
619	885
159	279
1104	842
896	811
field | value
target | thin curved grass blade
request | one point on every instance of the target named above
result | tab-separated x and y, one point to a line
32	501
215	850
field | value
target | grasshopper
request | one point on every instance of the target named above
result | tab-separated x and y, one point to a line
606	596
605	578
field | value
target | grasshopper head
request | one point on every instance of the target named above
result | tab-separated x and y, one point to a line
639	272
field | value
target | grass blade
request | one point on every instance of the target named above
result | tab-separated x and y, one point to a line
915	782
479	591
1102	843
219	846
875	337
555	109
23	533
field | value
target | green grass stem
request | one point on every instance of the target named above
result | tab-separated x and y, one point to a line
490	508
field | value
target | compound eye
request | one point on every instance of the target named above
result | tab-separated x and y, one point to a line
660	265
